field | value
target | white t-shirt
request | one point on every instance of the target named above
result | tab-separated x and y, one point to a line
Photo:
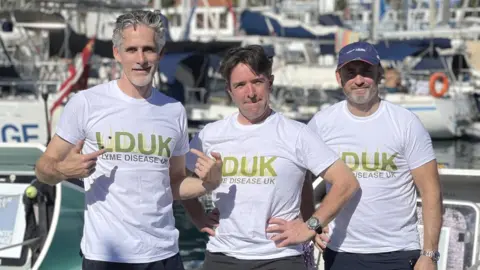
264	167
381	149
128	199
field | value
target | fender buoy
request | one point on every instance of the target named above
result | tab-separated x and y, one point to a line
433	79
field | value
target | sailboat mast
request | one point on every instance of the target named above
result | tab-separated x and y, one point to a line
375	20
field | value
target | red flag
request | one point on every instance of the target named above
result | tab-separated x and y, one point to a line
76	71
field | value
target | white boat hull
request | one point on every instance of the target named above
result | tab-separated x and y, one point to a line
444	118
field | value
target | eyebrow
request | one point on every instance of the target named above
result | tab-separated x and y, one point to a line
143	47
262	79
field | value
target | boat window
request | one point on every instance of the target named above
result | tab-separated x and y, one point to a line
294	57
223	20
13	223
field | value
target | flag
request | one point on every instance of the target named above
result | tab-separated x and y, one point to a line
77	72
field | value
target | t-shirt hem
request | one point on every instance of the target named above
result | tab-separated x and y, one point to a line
149	259
258	256
422	162
365	250
180	153
319	169
66	137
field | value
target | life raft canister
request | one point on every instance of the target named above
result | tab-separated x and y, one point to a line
433	79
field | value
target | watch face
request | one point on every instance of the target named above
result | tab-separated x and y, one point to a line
312	222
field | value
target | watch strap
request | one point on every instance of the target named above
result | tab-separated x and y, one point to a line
434	255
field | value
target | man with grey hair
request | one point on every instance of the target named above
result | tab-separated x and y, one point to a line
128	142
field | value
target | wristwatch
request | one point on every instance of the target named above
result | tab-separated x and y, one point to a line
434	255
314	224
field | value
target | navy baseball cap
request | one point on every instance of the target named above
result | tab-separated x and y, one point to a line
358	51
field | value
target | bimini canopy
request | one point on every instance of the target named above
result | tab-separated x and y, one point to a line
270	24
397	50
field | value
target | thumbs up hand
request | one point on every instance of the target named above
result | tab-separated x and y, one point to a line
208	169
78	165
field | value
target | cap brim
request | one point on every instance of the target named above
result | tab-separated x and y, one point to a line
362	60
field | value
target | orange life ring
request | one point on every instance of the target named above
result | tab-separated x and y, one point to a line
433	79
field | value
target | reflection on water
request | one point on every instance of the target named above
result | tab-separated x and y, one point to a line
451	154
459	154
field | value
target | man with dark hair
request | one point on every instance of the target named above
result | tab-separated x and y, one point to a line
265	157
391	155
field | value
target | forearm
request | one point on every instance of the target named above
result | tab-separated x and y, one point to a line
336	198
194	209
432	218
189	187
307	206
47	171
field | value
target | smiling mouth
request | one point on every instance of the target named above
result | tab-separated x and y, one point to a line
143	70
360	90
253	102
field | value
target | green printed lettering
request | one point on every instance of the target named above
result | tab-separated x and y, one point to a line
388	162
141	145
353	165
125	145
244	167
230	166
266	168
376	162
163	145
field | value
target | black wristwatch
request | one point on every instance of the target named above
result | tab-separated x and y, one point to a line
314	224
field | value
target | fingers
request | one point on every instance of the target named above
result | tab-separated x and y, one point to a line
79	146
200	173
281	240
284	243
95	154
279	237
217	156
202	157
275	229
321	241
210	231
203	163
91	164
91	171
200	154
213	219
277	221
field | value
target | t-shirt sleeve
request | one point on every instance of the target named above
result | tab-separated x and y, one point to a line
418	144
73	121
191	158
316	125
181	147
312	151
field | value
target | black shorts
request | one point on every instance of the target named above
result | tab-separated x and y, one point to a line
396	260
220	261
172	263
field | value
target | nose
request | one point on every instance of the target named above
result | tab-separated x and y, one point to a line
250	90
359	79
141	59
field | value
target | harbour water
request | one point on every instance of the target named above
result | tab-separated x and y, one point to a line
460	154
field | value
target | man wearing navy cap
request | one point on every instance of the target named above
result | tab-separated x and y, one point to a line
391	153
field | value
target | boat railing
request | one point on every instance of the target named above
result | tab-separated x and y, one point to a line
415	19
21	89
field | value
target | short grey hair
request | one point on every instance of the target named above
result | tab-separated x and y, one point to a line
152	19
